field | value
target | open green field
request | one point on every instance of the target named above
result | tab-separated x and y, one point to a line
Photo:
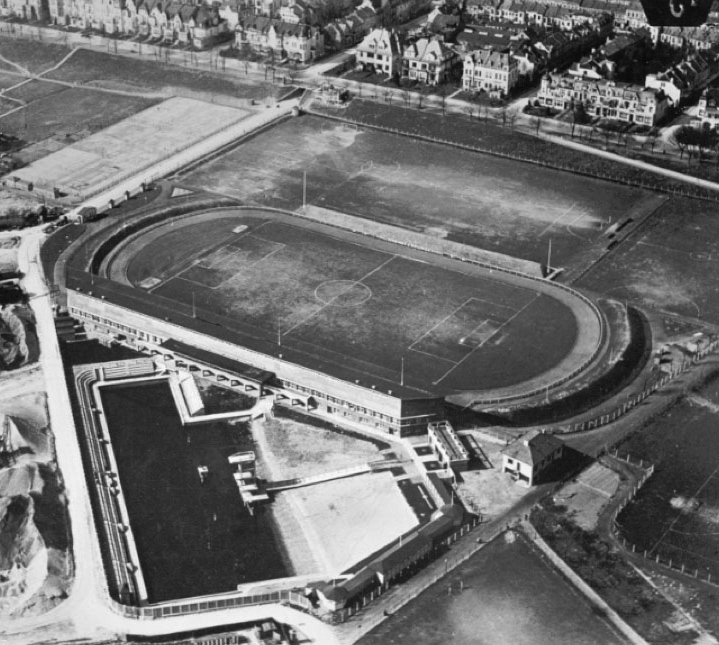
671	264
35	90
31	55
676	514
69	112
341	302
496	204
147	74
506	594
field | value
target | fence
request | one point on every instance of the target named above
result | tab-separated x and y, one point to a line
635	399
418	582
647	555
583	587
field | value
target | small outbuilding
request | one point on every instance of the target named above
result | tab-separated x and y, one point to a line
527	457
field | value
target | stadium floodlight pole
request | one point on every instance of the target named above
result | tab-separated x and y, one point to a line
194	312
279	332
401	373
304	191
549	255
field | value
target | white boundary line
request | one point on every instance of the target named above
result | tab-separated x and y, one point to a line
504	324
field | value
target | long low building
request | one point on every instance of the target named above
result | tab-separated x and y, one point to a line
135	318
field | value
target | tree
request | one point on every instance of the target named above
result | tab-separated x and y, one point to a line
686	139
420	100
503	115
387	95
512	118
443	98
404	94
537	121
469	110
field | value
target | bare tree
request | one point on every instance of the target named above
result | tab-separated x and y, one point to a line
469	110
503	115
537	121
512	118
420	100
387	95
404	95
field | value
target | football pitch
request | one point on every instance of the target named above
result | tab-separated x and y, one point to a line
496	204
676	514
342	301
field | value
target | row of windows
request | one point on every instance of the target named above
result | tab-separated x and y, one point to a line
114	325
332	399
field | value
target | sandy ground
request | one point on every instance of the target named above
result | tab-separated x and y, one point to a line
354	517
8	245
43	577
301	450
488	490
588	493
327	527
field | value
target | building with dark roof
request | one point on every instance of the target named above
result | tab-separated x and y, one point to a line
527	457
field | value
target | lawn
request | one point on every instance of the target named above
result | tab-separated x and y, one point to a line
347	304
32	55
676	513
37	90
79	111
483	201
506	594
90	66
503	140
671	264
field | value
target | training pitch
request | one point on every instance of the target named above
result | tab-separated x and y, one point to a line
492	203
334	301
676	513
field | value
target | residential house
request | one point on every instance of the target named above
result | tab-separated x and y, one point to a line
604	98
490	70
529	64
32	10
445	26
529	456
428	61
708	109
381	50
350	30
270	36
672	36
682	80
483	8
633	16
297	11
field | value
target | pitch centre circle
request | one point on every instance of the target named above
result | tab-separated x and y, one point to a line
343	293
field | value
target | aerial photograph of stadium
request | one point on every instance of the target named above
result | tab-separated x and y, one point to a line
387	322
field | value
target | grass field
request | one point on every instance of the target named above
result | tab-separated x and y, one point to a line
487	202
670	265
676	513
34	56
340	303
506	594
35	90
96	67
69	112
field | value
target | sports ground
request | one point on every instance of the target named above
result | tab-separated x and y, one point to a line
340	301
671	264
488	202
505	594
135	143
676	514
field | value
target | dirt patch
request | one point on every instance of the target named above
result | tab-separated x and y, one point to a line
302	449
588	494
